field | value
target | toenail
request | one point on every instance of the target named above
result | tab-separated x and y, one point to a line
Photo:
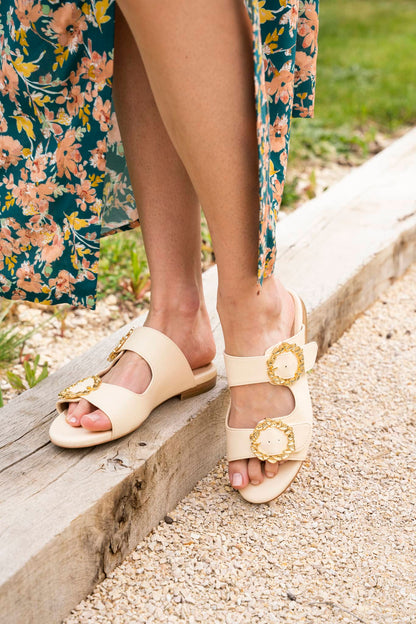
72	419
269	474
255	482
237	479
94	417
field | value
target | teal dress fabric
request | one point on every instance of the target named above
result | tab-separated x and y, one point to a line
64	179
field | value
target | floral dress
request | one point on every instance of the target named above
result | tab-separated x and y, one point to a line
64	182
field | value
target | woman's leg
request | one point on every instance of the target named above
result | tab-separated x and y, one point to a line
198	57
169	212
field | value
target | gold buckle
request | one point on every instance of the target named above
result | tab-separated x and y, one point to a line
117	348
67	393
285	347
276	424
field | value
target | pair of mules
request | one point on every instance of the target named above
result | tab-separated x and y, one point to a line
283	439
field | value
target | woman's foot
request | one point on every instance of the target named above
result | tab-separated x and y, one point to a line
188	326
251	324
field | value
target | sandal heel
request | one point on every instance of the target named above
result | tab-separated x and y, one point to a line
304	318
203	387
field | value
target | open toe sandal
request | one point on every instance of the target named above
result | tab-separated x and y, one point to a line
284	439
171	376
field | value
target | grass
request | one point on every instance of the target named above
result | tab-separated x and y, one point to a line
366	63
365	76
12	338
123	265
365	84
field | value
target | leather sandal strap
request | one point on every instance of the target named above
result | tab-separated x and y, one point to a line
273	439
171	370
284	365
125	409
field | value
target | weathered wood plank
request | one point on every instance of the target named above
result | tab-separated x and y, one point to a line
75	514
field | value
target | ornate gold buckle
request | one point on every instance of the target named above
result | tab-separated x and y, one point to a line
268	423
285	347
81	387
117	348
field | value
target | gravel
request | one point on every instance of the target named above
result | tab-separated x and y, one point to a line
339	546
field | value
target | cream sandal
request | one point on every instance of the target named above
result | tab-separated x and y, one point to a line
276	439
171	376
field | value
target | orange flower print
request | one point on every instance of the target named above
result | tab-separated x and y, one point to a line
6	248
10	151
4	282
73	101
283	159
52	252
278	190
49	126
281	85
277	133
308	26
63	283
102	113
68	155
37	166
305	65
76	100
85	194
27	279
9	81
270	263
97	156
68	23
24	237
291	16
18	294
27	12
34	198
304	111
96	67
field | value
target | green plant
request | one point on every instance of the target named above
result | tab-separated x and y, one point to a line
140	280
290	193
310	190
30	375
12	339
123	267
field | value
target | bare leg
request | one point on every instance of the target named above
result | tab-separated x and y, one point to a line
198	56
170	220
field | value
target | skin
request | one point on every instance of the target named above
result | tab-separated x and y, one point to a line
192	81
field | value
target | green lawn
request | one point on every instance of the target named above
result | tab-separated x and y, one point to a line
366	72
367	63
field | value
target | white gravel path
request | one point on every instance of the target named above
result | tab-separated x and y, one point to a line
338	547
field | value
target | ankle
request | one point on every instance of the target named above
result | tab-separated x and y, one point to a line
185	302
251	323
246	302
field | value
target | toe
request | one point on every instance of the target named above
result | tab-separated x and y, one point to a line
271	469
76	410
237	471
96	421
255	472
